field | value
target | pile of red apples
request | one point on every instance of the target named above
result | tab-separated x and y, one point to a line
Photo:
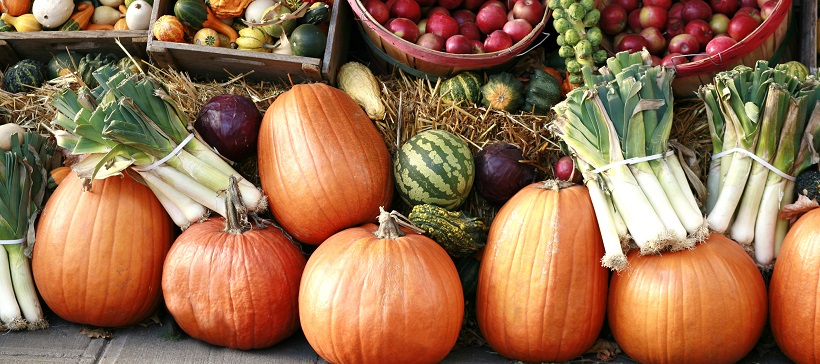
458	26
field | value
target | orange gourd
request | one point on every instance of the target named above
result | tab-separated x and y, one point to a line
169	29
80	19
93	26
99	253
322	163
706	305
15	7
231	286
794	293
121	25
541	287
57	175
228	8
380	295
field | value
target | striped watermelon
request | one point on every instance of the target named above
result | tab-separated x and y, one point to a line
464	87
434	167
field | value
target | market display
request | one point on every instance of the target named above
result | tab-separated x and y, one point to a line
626	187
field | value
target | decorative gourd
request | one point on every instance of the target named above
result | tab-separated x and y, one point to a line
80	19
207	37
228	8
359	82
706	305
105	15
380	295
24	76
464	87
5	27
345	183
459	234
316	14
308	40
502	92
230	285
61	64
434	167
541	287
197	15
99	254
254	39
276	12
793	291
543	91
52	13
57	175
22	23
95	26
138	15
15	7
254	11
468	268
121	24
168	28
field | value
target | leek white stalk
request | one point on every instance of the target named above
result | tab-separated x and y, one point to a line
782	226
764	240
24	289
10	314
657	197
676	168
195	191
614	257
183	210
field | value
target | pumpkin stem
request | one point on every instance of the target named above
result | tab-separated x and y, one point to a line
236	214
388	226
556	184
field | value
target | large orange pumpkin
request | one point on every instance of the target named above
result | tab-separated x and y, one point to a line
376	295
794	294
99	254
541	287
230	286
706	305
322	163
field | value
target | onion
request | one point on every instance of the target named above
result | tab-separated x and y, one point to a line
500	173
230	124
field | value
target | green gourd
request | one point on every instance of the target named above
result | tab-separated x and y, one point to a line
459	234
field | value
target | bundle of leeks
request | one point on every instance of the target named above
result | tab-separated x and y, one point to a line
617	125
129	121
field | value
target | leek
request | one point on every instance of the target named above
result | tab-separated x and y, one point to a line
614	257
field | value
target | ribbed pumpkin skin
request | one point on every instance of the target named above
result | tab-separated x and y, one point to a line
541	288
99	254
793	292
238	291
369	300
322	163
706	305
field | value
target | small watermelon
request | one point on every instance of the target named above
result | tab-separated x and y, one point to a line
464	87
434	167
795	69
24	75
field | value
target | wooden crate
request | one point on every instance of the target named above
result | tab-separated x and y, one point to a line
224	63
44	44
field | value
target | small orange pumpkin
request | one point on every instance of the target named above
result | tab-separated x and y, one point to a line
169	29
15	7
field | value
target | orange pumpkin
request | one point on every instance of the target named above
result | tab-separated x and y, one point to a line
706	305
793	291
380	295
99	254
169	29
541	287
15	7
230	286
322	163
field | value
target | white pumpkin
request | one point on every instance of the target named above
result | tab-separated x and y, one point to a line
254	11
52	13
138	15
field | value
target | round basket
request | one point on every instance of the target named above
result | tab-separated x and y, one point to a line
432	62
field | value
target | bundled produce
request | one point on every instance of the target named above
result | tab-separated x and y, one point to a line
578	35
759	126
25	161
617	125
129	121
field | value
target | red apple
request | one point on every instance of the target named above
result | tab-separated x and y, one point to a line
490	19
768	8
656	61
633	21
422	25
389	3
653	16
470	30
450	4
463	16
719	44
740	26
478	46
760	3
431	41
409	9
701	30
404	28
497	41
564	169
517	29
510	15
695	9
458	44
665	4
616	40
655	42
378	10
442	25
675	11
613	19
673	59
748	3
753	12
437	10
719	23
700	57
493	3
684	44
529	10
628	5
674	26
632	43
472	5
728	7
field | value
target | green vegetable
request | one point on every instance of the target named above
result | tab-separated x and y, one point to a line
502	92
464	87
24	75
808	183
576	22
543	91
459	234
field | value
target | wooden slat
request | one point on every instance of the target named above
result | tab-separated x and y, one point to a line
808	35
42	45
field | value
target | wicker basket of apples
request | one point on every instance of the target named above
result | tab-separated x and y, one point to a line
445	37
699	38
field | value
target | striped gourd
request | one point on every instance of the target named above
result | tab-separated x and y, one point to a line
24	76
464	87
434	167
